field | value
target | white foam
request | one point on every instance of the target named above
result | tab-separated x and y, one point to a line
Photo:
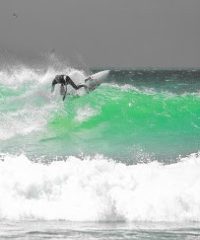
99	190
144	90
23	121
125	87
23	74
85	113
28	115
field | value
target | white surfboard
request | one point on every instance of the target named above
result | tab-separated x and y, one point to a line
96	79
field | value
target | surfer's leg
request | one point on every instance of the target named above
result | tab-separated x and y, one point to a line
64	95
82	85
76	86
62	89
87	79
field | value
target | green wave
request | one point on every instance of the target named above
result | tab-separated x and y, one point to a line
127	119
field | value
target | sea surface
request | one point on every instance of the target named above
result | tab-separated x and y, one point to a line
121	162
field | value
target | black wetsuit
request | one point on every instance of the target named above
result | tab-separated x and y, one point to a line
64	80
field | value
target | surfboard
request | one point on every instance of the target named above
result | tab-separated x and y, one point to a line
96	79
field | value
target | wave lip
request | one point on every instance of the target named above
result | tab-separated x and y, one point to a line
99	189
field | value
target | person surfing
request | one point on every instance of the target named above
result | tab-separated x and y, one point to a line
65	80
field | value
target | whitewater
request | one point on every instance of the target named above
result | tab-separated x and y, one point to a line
121	162
99	189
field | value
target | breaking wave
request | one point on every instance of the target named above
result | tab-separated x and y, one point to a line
99	189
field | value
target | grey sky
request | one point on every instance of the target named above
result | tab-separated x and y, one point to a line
126	33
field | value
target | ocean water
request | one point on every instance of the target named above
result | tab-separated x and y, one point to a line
121	162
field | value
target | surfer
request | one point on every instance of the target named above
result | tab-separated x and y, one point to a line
64	80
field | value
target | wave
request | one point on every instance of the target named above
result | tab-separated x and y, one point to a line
120	119
115	119
99	189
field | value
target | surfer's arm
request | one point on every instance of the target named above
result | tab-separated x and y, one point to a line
54	82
